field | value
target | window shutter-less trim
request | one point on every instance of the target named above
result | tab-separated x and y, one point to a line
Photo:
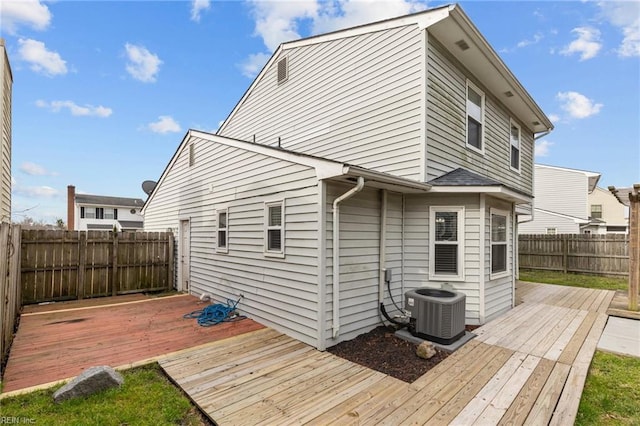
283	70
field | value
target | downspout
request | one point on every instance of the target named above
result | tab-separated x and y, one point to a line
336	252
383	246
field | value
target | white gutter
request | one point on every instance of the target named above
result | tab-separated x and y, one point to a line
383	245
336	252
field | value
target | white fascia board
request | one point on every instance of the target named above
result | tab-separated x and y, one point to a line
391	182
496	191
421	20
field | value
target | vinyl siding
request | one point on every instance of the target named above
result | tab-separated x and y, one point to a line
562	191
542	221
417	247
355	100
446	127
6	81
613	212
278	292
498	296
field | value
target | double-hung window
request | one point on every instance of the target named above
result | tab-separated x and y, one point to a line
274	228
596	211
222	244
475	117
514	138
499	237
446	227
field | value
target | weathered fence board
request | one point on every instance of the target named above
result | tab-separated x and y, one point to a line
9	287
66	265
579	253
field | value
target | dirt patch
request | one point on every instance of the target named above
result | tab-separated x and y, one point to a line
382	351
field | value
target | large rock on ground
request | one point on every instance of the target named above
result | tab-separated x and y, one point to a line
426	350
90	381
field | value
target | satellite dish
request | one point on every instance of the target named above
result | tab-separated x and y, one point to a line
148	186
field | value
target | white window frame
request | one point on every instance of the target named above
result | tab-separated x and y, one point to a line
267	228
505	243
552	231
460	243
469	113
591	206
518	147
224	249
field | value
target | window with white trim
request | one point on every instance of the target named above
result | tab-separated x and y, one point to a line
514	140
499	246
596	211
552	231
475	117
274	228
446	227
222	244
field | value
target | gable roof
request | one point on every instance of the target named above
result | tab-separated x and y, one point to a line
449	25
101	200
464	181
324	168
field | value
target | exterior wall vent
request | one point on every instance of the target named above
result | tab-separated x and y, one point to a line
192	155
283	70
436	315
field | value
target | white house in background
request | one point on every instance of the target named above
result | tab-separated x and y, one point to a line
6	84
607	215
561	203
87	212
397	149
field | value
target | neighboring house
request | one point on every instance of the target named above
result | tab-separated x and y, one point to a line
100	213
6	83
612	217
401	146
563	203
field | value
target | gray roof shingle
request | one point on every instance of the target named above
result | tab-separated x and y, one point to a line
101	200
463	177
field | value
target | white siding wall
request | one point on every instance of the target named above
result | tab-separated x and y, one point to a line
6	80
355	100
561	191
498	295
446	124
124	213
417	247
542	221
278	292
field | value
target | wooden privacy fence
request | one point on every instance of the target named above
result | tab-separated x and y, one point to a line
579	253
67	265
9	287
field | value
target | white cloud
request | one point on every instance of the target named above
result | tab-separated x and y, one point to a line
42	60
542	148
34	169
36	191
536	39
278	21
165	124
625	16
143	65
554	118
253	64
74	109
197	6
577	105
587	44
348	13
31	13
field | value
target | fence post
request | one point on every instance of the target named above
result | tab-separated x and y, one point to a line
171	248
82	260
565	253
634	247
114	265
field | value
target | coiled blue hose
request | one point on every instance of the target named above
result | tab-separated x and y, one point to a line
216	313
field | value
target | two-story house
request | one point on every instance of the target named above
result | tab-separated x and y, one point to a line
607	214
358	165
568	201
87	212
6	84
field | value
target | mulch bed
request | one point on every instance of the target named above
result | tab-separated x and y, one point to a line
382	351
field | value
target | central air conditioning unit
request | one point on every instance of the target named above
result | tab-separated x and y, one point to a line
436	315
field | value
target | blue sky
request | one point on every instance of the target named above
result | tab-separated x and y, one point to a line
104	91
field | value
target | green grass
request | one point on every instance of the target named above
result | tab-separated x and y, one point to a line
611	394
574	280
147	397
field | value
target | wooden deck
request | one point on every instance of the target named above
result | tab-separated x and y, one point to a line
526	367
53	345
